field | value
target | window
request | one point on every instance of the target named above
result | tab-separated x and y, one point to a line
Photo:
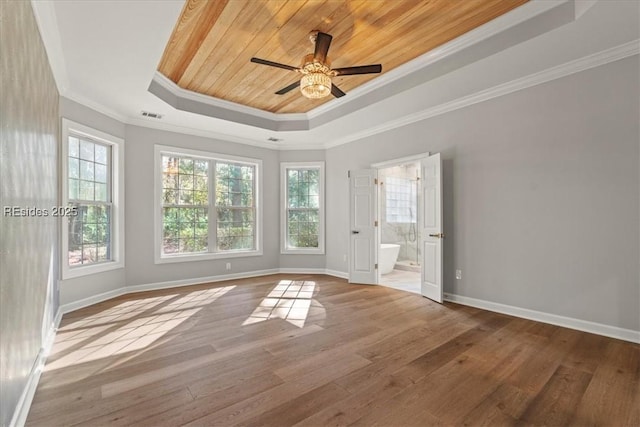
400	196
208	205
92	204
302	189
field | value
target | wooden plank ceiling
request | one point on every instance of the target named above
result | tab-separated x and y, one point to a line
213	41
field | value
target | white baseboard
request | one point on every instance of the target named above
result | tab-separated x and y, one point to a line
76	305
554	319
24	403
94	299
198	280
302	270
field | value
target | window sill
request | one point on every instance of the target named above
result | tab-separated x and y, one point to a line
168	259
73	272
302	251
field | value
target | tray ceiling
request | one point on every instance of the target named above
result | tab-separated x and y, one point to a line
212	42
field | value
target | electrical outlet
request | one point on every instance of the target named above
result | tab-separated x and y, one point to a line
344	258
459	274
228	266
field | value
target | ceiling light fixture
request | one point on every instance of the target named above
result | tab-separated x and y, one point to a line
316	80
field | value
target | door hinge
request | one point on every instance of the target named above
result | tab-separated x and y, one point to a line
375	223
348	174
375	181
376	266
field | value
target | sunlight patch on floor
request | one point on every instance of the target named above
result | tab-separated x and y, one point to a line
290	300
129	327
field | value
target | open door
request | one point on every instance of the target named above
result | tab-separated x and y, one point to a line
362	232
431	226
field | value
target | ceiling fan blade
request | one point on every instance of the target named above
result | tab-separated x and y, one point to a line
273	64
362	69
335	91
323	41
288	88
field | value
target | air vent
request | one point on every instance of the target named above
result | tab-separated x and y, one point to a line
272	139
151	115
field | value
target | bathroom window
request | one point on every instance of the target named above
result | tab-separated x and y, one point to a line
91	211
208	205
400	197
302	225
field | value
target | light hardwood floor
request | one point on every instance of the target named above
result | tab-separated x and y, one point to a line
314	350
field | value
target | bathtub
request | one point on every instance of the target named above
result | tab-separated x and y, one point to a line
388	255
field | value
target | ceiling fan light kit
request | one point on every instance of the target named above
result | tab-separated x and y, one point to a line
316	80
317	72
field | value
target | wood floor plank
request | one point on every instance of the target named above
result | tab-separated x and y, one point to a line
502	407
299	408
361	355
614	390
557	401
212	400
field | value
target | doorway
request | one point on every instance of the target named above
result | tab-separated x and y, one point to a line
399	257
375	255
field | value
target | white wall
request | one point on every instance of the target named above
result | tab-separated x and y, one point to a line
541	194
28	178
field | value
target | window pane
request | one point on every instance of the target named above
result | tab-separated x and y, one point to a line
169	180
86	190
74	147
400	196
235	229
201	167
170	164
101	154
86	170
101	192
86	150
185	197
200	183
186	166
89	235
185	230
101	173
185	182
74	168
73	189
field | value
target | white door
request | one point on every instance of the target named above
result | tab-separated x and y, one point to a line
362	231
431	227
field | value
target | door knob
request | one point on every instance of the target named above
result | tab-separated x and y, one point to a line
438	235
355	232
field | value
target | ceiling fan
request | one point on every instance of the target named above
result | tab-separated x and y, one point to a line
317	72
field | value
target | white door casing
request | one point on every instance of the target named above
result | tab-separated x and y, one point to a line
362	231
431	236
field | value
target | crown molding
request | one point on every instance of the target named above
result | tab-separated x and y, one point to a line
591	61
47	21
96	106
510	19
168	127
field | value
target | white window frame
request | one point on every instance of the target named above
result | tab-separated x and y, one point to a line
284	196
71	128
160	258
